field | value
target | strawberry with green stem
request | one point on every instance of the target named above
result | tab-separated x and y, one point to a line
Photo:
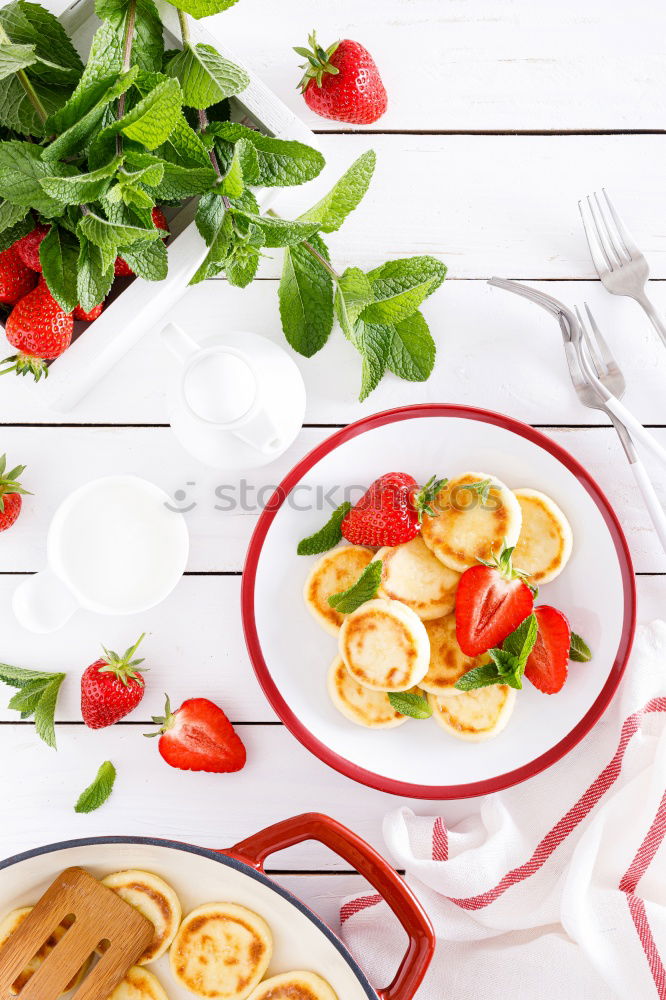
11	493
111	687
40	330
342	82
390	512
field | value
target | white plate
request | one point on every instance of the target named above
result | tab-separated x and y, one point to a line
291	653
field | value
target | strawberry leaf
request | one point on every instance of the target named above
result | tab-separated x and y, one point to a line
363	590
328	536
96	794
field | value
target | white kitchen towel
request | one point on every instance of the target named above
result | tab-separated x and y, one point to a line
557	887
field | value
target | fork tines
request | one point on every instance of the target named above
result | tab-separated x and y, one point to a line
610	243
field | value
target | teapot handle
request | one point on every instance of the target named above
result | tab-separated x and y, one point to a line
181	345
261	433
43	603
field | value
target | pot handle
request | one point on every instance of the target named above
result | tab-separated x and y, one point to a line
367	862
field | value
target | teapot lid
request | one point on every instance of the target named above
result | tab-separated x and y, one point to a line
220	387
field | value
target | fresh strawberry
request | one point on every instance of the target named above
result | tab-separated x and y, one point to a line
390	511
111	688
16	280
548	663
342	82
491	601
39	329
28	247
199	737
88	317
11	493
121	268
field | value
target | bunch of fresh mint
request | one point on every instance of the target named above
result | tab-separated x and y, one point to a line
90	150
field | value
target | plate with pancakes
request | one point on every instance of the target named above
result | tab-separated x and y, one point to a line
376	688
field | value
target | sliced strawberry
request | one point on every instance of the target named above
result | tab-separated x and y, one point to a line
548	663
199	737
491	601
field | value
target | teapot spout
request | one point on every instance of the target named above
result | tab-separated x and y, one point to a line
181	345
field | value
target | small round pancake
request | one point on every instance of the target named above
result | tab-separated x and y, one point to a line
385	646
334	572
545	540
11	923
448	663
294	986
474	715
413	575
156	900
139	984
359	704
221	951
465	528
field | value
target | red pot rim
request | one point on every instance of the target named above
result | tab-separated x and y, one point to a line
381	782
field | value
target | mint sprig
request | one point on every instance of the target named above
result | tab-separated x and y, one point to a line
328	536
96	794
36	697
507	663
411	704
579	650
364	589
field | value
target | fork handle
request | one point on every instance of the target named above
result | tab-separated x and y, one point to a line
653	316
655	510
636	428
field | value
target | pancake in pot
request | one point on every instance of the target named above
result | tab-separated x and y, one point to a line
385	646
294	986
545	541
359	704
11	923
466	528
334	572
139	984
474	715
413	575
448	663
221	951
156	900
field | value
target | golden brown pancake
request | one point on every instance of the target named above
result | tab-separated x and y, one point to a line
156	900
360	704
11	923
545	540
474	715
466	528
448	663
384	646
221	951
334	572
294	986
413	575
139	984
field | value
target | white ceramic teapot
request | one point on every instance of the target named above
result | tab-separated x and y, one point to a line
240	399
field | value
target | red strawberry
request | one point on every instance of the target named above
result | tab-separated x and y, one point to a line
28	247
16	280
342	82
10	493
111	688
548	663
199	737
121	268
390	511
88	317
39	329
491	601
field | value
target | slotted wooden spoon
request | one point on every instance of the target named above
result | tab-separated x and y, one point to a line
98	914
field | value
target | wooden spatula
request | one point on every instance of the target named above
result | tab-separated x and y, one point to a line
98	914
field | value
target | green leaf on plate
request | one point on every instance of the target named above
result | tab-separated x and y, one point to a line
363	590
579	651
411	704
328	536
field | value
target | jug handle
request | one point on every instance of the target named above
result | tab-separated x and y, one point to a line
261	433
43	603
179	343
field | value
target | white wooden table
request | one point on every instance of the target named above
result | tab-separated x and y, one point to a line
502	114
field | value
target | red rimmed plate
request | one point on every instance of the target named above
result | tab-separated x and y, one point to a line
291	654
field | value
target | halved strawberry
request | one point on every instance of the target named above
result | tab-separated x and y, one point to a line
199	737
548	663
491	601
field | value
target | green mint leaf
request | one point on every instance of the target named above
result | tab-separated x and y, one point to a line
44	713
363	590
27	698
507	664
9	236
412	351
328	536
80	118
408	703
521	641
21	170
18	677
110	235
344	197
280	232
233	182
105	58
306	299
280	162
203	8
353	292
241	266
95	274
31	24
205	76
16	110
216	225
15	57
153	119
481	489
478	677
58	255
96	794
373	342
579	651
10	215
80	188
149	260
400	286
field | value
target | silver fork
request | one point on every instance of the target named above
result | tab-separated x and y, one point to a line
621	266
598	381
